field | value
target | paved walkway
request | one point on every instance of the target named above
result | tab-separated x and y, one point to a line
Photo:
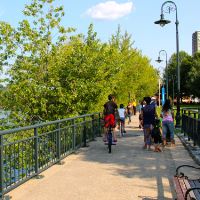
129	173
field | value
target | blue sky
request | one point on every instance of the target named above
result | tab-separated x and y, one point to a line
135	16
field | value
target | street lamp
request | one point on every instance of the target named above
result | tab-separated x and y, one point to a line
162	22
172	78
159	60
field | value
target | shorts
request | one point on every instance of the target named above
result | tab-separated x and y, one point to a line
147	133
168	126
109	120
122	119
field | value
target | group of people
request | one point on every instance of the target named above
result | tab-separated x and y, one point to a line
157	127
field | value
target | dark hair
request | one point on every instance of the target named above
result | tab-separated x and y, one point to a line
121	105
167	105
110	96
147	99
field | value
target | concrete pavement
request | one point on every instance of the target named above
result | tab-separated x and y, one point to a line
128	173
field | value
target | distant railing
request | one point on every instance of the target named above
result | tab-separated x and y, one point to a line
191	124
27	151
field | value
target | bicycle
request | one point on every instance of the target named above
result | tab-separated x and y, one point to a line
110	139
121	124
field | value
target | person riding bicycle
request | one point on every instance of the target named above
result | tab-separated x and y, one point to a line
110	108
122	115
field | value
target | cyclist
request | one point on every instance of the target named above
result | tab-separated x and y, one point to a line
110	108
122	114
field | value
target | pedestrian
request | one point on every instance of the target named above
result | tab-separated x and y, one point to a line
134	106
129	112
141	105
167	115
148	117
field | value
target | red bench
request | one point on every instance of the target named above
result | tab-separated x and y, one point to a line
186	188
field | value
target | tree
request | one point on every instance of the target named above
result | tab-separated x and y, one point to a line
27	50
194	75
53	76
185	66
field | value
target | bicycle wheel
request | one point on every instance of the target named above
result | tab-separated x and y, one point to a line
121	129
109	141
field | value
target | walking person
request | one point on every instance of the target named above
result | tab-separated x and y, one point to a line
129	112
148	115
134	106
167	122
141	105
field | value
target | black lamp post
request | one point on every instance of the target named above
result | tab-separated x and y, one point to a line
172	79
159	60
171	7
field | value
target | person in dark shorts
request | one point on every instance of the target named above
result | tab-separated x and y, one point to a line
110	109
156	134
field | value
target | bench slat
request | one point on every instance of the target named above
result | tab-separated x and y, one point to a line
178	188
189	184
194	184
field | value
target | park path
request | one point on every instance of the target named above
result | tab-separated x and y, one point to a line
129	173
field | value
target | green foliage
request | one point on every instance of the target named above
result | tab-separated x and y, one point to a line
194	75
53	76
185	66
189	74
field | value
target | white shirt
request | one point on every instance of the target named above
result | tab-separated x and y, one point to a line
121	112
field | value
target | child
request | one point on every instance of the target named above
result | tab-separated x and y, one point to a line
122	114
156	135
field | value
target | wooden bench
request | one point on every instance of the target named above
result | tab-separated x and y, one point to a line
187	188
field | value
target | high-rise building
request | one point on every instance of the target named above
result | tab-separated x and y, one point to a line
195	42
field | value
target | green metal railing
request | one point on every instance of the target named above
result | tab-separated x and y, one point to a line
27	151
191	124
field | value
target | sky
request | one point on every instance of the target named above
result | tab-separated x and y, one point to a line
137	17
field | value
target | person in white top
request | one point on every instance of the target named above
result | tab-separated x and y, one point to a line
122	115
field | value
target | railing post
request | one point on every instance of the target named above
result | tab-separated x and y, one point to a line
84	133
99	124
58	146
36	150
198	129
73	134
198	113
93	128
1	167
